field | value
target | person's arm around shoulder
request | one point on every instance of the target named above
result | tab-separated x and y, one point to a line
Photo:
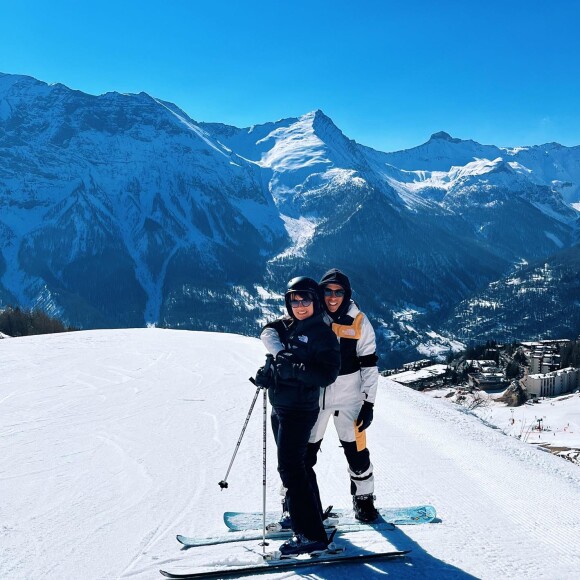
270	337
324	366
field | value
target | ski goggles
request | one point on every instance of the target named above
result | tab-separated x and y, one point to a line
305	303
338	293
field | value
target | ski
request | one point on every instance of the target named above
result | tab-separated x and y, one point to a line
413	515
249	535
287	564
231	537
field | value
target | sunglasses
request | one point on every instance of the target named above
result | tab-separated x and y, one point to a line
296	303
337	293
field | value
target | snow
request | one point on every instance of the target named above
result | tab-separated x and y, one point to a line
560	421
555	239
301	231
560	417
460	183
113	441
195	129
406	377
264	218
428	343
295	147
265	294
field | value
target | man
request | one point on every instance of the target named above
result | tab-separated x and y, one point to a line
307	359
350	399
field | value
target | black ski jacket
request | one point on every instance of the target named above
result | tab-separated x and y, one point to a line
314	345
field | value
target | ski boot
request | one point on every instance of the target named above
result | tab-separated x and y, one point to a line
364	507
300	544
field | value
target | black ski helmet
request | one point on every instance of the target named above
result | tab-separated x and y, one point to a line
302	285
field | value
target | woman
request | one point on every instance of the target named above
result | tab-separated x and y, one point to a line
307	357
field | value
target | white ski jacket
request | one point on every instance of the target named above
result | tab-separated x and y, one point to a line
359	375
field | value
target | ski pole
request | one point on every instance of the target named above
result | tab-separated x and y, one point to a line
224	483
264	543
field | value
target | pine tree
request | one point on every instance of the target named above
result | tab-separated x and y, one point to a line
512	370
575	356
18	322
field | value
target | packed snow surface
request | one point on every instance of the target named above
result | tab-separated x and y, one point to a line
113	441
425	373
550	421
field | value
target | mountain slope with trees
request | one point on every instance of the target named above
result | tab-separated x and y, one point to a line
120	210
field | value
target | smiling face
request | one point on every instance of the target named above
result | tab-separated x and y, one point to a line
298	301
333	302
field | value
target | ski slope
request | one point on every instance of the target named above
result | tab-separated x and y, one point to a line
114	441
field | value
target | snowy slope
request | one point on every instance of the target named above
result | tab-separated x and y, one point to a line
560	417
114	441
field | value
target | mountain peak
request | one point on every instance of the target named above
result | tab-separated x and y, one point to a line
23	82
319	114
443	136
324	126
317	118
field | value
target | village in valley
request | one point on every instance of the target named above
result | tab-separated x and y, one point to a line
528	390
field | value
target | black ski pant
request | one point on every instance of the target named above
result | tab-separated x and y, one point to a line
291	432
311	455
358	462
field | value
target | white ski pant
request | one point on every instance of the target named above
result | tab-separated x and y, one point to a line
354	444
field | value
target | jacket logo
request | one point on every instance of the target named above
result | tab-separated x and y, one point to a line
353	330
303	338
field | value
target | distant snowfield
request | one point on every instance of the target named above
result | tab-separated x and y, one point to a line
551	421
301	232
113	441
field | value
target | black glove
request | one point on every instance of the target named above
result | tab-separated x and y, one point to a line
264	378
365	417
286	366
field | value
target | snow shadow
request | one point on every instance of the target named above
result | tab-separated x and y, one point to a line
418	564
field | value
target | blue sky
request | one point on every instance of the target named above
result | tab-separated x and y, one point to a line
388	73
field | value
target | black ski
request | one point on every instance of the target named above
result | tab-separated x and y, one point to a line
288	564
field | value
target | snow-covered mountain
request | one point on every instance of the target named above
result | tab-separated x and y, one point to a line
537	300
444	225
550	164
114	441
120	210
114	207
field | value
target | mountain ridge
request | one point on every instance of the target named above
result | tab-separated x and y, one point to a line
201	223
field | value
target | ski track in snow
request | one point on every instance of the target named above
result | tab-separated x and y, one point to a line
112	442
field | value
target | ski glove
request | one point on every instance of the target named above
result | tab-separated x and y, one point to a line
365	417
286	367
264	378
